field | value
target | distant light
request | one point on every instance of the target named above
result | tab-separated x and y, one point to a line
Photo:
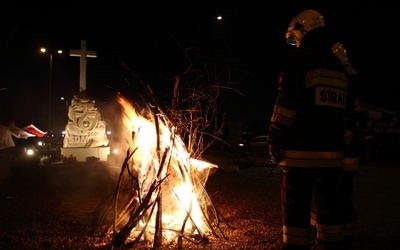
44	50
218	18
40	143
30	152
108	132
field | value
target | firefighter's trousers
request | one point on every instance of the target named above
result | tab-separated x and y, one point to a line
301	186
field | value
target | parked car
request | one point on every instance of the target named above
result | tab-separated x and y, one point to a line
259	148
259	143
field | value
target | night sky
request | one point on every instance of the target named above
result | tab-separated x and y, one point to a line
150	39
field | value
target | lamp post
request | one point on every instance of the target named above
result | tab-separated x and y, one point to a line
44	50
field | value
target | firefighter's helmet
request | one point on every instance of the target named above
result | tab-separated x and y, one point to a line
304	22
341	53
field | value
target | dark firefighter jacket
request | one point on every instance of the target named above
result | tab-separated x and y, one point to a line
308	120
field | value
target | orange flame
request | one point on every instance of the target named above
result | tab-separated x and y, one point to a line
160	156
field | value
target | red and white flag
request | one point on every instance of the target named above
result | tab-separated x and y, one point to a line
34	130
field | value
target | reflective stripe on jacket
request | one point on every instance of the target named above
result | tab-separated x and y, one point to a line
351	163
292	158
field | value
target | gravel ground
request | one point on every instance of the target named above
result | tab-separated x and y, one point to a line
51	207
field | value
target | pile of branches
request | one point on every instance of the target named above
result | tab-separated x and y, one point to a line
149	177
147	190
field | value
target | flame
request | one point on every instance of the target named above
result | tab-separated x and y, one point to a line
162	177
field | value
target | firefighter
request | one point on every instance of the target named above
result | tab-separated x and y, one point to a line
306	134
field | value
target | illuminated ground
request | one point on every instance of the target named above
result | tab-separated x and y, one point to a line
50	207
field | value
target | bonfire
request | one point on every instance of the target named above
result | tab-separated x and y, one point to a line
160	196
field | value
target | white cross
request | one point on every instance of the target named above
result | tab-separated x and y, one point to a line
83	54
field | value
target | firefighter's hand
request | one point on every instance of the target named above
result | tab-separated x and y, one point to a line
274	153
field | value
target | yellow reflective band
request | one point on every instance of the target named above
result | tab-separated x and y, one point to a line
311	154
313	219
297	236
283	116
311	163
330	233
351	160
326	77
351	163
293	158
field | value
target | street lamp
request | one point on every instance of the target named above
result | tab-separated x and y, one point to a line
66	104
44	50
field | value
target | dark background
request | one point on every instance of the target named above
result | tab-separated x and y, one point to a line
150	38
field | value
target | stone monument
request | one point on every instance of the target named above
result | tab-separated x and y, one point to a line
85	133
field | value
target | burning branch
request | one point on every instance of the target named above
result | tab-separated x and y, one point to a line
160	189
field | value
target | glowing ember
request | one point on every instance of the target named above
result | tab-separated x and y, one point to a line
161	189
